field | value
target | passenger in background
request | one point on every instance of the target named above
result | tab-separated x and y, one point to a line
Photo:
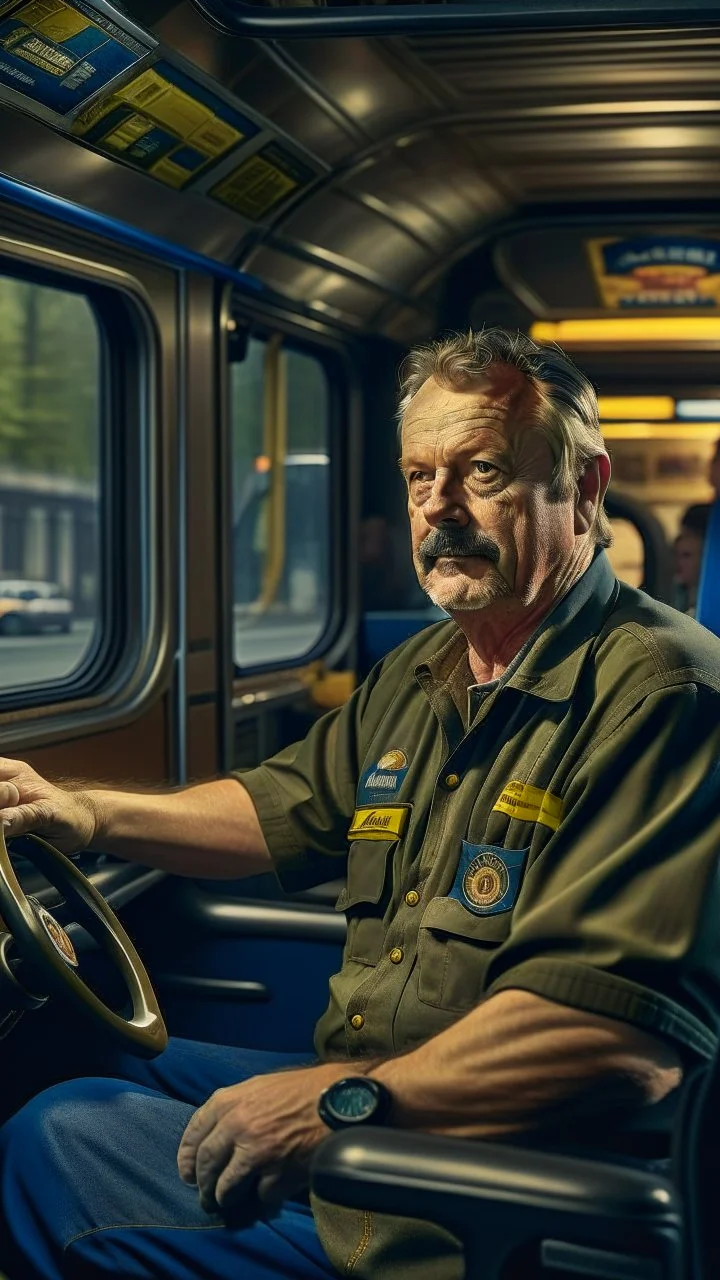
687	563
379	576
386	584
697	517
688	545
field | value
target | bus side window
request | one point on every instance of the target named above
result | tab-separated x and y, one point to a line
49	482
281	503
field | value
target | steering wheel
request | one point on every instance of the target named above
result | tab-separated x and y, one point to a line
48	949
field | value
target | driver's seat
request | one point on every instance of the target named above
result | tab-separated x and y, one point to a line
531	1213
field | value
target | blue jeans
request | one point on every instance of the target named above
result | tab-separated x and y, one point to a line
89	1185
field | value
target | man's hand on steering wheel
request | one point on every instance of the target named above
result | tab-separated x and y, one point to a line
68	819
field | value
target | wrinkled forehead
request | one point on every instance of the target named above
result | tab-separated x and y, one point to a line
501	402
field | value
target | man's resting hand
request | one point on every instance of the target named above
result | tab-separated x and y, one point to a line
257	1136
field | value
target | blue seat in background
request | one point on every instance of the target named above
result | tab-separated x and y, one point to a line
708	604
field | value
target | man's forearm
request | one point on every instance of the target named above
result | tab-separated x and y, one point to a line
210	829
520	1062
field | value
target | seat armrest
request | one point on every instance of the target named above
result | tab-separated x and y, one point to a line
493	1196
421	1175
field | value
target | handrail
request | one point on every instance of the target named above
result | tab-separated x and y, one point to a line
100	224
275	448
234	17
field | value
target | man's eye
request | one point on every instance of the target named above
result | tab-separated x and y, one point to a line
420	475
484	468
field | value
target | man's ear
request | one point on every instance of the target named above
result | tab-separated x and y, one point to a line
592	487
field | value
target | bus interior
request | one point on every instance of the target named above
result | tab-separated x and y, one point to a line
220	232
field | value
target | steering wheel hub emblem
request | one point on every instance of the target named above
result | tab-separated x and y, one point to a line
56	934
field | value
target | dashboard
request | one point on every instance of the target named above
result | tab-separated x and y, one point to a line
118	882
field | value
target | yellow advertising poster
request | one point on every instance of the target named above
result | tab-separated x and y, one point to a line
663	272
165	124
262	182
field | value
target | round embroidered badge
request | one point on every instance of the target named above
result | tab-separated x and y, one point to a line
392	760
486	880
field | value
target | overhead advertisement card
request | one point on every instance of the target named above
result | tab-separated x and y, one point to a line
165	124
260	184
57	54
660	273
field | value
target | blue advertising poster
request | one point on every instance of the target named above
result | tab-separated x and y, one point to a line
59	53
657	272
164	123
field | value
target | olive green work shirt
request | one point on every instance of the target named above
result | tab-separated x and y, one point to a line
564	842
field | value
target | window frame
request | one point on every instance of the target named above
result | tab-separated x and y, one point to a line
114	680
335	357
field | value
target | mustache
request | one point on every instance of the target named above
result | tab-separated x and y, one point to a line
455	541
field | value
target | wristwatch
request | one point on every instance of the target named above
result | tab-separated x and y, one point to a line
355	1100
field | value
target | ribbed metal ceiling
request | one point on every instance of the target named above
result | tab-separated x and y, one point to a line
422	146
500	121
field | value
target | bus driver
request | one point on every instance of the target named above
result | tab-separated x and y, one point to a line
527	802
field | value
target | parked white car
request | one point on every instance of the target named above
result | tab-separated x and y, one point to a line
27	607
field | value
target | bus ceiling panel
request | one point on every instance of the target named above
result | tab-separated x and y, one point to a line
358	239
287	19
333	106
335	296
515	142
259	74
568	73
293	107
433	181
638	181
373	92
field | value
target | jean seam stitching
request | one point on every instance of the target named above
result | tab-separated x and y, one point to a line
141	1226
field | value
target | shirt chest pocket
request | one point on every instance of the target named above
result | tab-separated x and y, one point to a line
365	898
454	951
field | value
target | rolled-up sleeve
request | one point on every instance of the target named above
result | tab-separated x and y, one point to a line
618	914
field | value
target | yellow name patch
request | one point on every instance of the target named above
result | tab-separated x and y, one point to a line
372	823
530	804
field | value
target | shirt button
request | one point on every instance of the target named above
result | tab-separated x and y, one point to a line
396	955
452	780
412	898
357	1021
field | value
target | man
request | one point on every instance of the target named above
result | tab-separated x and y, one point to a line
530	792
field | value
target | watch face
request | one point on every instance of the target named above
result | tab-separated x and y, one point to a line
353	1100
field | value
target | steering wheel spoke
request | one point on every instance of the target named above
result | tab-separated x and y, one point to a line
51	955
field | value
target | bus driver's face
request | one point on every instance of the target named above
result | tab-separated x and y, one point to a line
484	525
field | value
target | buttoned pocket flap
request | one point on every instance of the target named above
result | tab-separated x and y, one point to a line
455	949
449	916
366	872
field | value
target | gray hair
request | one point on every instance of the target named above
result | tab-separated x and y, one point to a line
567	411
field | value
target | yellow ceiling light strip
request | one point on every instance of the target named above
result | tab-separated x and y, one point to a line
629	329
637	408
706	431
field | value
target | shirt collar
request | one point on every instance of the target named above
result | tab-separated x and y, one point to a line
549	663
